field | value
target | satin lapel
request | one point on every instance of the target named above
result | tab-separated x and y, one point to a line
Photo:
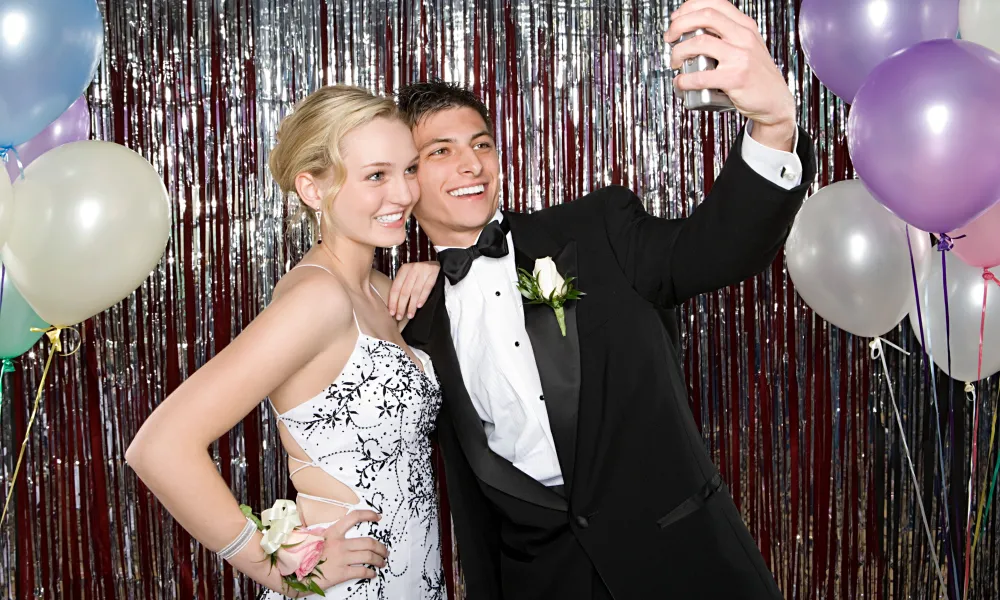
420	328
488	466
557	357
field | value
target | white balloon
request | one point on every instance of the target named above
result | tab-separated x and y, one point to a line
965	311
90	221
6	208
979	22
849	260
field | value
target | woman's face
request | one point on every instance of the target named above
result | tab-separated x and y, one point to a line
381	187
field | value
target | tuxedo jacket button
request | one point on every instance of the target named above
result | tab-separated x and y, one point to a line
582	522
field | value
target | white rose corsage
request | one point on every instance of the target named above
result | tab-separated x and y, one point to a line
296	551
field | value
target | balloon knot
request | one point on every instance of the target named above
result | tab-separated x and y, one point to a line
989	276
6	366
946	243
5	155
54	333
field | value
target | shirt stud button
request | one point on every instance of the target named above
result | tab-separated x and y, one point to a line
789	173
498	293
542	397
517	344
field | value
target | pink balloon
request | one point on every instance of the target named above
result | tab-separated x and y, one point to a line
72	126
981	245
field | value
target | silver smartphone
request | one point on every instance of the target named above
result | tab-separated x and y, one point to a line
707	100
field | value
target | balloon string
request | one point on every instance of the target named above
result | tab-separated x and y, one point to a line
6	366
972	537
988	276
980	527
946	244
878	353
970	391
56	348
941	481
6	151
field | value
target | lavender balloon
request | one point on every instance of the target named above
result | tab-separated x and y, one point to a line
845	39
72	126
924	132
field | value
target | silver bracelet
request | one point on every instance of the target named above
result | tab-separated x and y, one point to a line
240	542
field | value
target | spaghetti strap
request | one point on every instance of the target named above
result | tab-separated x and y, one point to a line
304	465
374	289
356	325
298	266
330	501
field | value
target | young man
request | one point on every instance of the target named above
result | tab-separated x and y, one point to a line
573	464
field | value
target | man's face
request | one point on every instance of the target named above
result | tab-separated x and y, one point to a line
459	176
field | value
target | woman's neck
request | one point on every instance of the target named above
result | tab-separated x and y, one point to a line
349	259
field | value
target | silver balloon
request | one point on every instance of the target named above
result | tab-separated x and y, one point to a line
965	309
848	258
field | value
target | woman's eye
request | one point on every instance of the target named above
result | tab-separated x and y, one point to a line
379	176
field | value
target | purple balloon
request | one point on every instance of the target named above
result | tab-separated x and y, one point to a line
924	132
845	39
72	126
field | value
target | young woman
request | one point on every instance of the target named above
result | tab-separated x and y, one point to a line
355	404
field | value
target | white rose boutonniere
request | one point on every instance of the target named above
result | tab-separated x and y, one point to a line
547	286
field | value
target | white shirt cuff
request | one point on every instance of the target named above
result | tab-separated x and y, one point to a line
784	169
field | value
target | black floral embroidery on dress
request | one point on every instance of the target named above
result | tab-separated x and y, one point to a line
371	429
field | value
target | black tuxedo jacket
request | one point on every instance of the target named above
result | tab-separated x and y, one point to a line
644	510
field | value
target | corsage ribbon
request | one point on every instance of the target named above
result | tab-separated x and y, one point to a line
281	519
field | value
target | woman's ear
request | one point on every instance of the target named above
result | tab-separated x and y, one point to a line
310	191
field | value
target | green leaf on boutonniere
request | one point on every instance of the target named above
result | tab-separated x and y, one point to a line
528	286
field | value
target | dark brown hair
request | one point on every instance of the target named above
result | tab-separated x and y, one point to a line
418	100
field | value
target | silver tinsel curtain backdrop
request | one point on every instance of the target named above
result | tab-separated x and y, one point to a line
795	412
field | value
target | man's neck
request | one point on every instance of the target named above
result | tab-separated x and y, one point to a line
461	239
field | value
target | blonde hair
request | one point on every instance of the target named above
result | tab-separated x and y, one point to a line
310	138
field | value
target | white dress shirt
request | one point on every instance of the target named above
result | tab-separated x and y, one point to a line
495	354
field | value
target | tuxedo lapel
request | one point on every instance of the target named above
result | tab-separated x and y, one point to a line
433	332
557	356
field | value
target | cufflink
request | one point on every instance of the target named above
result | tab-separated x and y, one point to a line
789	173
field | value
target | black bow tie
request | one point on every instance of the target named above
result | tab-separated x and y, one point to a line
456	262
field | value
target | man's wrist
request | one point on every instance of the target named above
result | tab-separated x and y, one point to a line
779	136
